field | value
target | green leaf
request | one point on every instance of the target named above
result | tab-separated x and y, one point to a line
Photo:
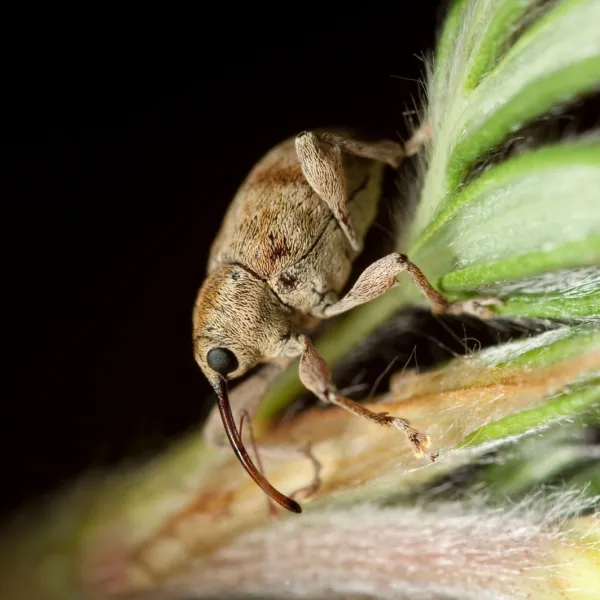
567	403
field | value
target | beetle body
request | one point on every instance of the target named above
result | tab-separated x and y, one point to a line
283	255
280	257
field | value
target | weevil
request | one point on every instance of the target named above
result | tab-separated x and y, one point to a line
278	265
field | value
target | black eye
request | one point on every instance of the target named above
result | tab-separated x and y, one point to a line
222	361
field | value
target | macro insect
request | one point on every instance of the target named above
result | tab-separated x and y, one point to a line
278	265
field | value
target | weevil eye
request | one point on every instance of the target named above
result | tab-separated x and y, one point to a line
222	360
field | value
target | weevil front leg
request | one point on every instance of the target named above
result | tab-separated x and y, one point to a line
316	376
305	451
381	276
320	156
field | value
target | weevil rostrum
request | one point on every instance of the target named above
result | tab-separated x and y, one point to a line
278	265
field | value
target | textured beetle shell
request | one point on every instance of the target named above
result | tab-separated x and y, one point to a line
279	229
278	260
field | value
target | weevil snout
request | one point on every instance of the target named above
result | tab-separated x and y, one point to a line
239	322
241	453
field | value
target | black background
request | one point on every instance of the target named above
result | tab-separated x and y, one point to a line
124	138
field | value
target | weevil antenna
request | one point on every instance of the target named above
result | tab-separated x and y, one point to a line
240	451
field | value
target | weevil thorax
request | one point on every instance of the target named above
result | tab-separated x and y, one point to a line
238	312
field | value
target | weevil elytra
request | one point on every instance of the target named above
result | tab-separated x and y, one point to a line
282	257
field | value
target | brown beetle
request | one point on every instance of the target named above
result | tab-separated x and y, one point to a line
282	257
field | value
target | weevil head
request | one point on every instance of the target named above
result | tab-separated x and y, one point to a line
238	323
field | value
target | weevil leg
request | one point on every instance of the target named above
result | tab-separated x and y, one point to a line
439	305
320	156
245	416
381	276
322	166
313	487
386	151
305	451
420	137
477	307
316	376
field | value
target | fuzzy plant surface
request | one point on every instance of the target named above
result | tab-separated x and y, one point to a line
510	207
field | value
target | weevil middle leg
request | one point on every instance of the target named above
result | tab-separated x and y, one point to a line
320	156
380	277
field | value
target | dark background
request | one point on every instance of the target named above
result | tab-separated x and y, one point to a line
124	138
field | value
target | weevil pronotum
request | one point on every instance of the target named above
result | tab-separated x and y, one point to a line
281	259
